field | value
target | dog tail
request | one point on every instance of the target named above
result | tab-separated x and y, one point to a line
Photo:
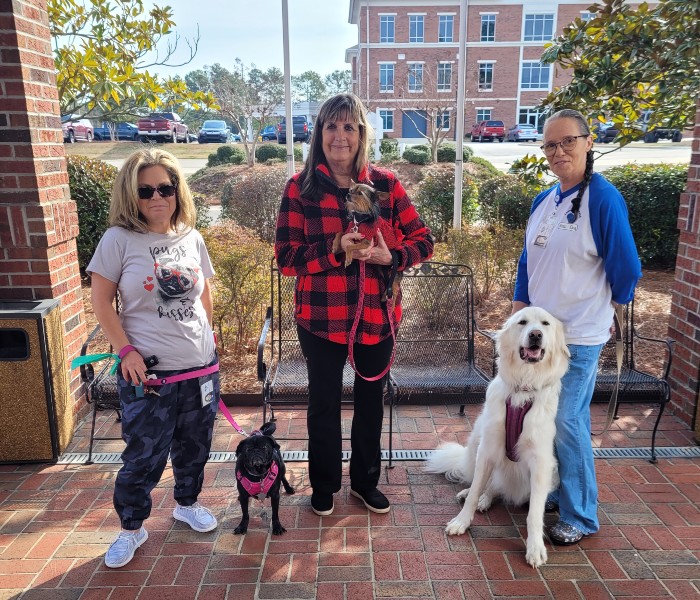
450	459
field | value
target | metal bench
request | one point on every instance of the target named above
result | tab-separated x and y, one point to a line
636	386
435	357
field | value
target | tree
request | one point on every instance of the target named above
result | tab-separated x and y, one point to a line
308	87
245	95
103	50
423	104
627	60
338	82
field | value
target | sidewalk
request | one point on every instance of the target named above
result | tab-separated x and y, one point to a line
56	522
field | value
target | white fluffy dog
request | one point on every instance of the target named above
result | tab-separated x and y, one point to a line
523	398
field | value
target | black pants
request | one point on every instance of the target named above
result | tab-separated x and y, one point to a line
325	361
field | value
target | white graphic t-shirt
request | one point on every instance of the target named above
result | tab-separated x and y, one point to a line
160	278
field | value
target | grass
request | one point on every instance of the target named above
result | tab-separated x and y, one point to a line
112	150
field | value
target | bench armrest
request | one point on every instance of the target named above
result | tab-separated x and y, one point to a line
669	349
262	367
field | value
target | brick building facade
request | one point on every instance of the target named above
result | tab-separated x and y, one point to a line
38	220
407	58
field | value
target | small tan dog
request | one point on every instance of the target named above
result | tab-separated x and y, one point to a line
362	205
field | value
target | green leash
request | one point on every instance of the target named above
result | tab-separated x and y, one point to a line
91	358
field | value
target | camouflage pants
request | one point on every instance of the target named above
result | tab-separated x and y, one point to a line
153	427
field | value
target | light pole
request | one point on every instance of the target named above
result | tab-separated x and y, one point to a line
459	159
287	91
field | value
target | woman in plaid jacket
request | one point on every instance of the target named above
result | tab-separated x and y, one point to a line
311	214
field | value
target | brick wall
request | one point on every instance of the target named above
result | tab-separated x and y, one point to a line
684	323
38	220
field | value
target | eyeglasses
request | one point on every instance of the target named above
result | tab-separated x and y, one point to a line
164	191
567	143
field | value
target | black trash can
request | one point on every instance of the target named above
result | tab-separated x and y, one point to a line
36	413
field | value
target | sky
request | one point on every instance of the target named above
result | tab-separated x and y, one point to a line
319	34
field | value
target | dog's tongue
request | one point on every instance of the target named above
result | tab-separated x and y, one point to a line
531	354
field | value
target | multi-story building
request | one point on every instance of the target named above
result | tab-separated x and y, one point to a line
405	63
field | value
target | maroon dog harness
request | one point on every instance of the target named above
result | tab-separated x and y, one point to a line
515	416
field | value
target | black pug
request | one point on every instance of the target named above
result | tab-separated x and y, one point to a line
259	472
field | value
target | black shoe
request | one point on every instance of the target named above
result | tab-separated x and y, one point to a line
322	503
374	500
564	534
551	506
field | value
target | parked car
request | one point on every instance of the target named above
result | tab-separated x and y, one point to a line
163	127
122	130
235	137
300	125
488	130
522	132
651	136
268	133
604	133
75	129
214	131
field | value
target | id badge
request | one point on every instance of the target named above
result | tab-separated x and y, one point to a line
206	387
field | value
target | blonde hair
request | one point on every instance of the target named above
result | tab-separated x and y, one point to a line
124	209
340	106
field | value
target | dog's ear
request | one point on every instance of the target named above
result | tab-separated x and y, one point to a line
353	183
240	447
268	428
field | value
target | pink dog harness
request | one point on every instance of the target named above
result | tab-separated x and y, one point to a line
256	488
515	416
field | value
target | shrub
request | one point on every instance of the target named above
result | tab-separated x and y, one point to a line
203	219
448	153
417	155
491	252
90	183
389	148
298	154
488	169
267	151
435	200
652	193
241	285
253	201
226	155
506	200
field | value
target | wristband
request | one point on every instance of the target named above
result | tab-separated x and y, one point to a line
125	350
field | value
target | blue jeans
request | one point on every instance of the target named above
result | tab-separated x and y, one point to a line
578	491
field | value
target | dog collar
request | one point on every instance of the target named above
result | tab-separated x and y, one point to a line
256	488
515	415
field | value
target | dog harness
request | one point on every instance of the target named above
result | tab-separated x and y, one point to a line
515	415
262	487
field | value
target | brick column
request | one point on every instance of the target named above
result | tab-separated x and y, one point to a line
684	323
38	220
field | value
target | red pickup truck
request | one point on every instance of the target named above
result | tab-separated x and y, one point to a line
163	127
488	130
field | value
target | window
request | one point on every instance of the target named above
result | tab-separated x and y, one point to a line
386	77
485	77
488	28
386	29
539	28
415	29
588	16
532	116
483	114
443	120
387	119
446	28
415	77
535	76
444	77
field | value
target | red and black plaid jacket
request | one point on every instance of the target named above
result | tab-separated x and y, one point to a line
327	292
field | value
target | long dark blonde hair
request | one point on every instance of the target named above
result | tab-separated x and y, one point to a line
124	209
341	106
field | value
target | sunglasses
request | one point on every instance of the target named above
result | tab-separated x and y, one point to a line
164	191
567	143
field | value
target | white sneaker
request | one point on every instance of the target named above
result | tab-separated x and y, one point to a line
196	516
122	549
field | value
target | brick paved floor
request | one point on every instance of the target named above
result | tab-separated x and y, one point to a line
56	522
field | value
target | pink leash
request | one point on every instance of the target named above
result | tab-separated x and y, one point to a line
356	322
191	375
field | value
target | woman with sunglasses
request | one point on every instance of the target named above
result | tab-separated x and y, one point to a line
157	261
579	261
